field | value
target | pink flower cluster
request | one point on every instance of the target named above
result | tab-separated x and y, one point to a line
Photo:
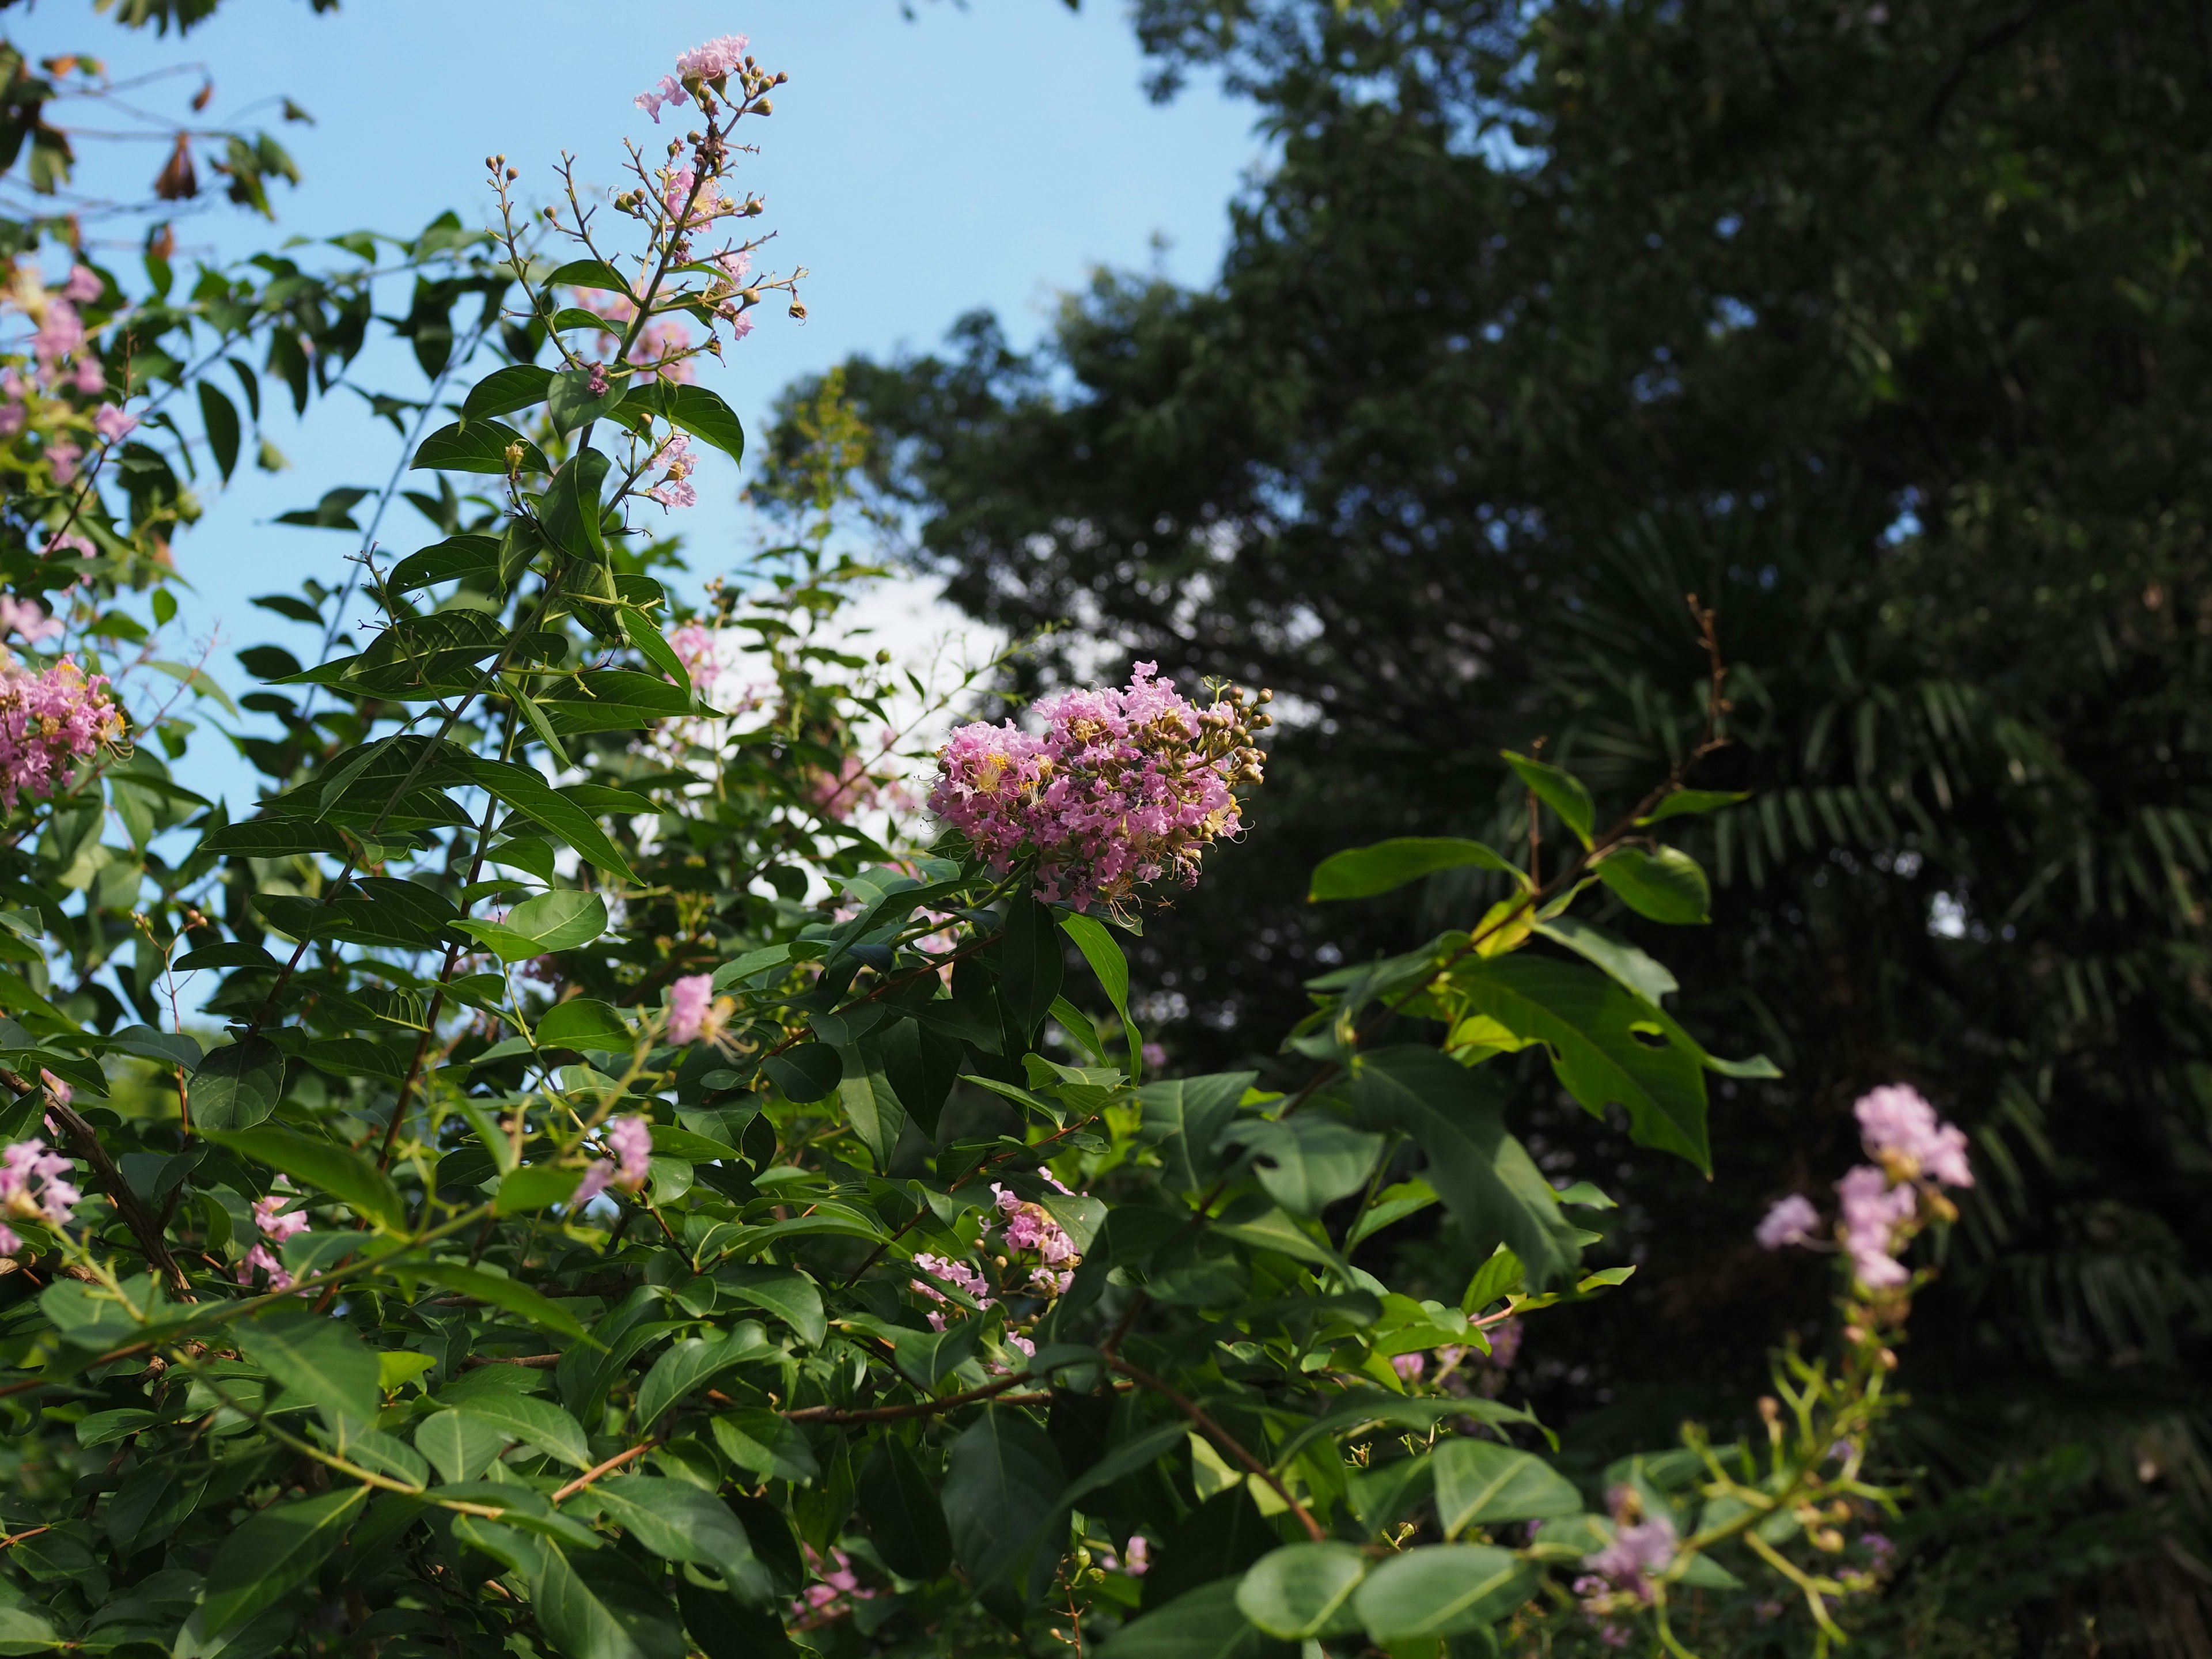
1642	1548
677	462
1915	1153
835	1581
961	1275
1124	787
1139	1561
1030	1227
629	1138
276	1227
23	616
660	346
60	363
47	720
34	1181
709	63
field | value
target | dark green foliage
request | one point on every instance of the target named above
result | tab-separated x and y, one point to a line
1881	330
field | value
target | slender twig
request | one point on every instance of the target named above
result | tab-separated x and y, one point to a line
608	1467
1221	1438
143	1227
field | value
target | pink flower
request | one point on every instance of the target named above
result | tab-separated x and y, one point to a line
597	1175
63	456
674	488
630	1140
60	1091
274	1225
961	1275
1125	787
716	59
695	646
670	91
1872	1210
688	1002
84	285
111	422
34	1181
597	380
22	616
1139	1561
261	1257
12	418
1154	1055
1031	1227
1639	1549
70	542
1791	1221
1409	1366
89	376
735	266
1900	1128
47	720
9	1242
60	333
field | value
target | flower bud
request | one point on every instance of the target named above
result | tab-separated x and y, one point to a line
798	312
763	107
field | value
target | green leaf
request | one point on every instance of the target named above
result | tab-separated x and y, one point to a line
1486	1177
1308	1162
275	838
1481	1482
539	1422
1204	1624
1442	1589
481	446
789	1294
1641	974
219	419
238	1085
1666	885
1301	1590
319	1359
591	273
1002	1480
499	1292
461	1448
766	1443
1558	790
572	403
1104	954
22	1630
573	510
653	645
903	1515
535	798
273	1551
581	1022
535	1187
1184	1117
690	1364
1608	1046
1365	872
706	417
1031	965
606	1616
1683	802
518	385
323	1164
676	1519
473	558
810	1073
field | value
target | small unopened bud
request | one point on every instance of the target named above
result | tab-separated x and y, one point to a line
763	107
1828	1538
751	295
781	77
1770	1409
514	173
514	458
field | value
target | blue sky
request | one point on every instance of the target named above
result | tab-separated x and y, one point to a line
990	154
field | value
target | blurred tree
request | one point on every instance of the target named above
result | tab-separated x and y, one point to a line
1881	328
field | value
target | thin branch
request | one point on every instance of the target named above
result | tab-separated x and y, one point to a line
1221	1438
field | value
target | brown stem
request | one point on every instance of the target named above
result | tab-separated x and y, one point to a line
86	1144
918	1408
607	1467
536	1362
1221	1438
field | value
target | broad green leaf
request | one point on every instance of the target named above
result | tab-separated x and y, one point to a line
275	838
1184	1117
323	1165
1302	1590
691	1364
1641	974
560	920
539	1422
704	415
319	1358
481	446
1608	1046
531	795
1560	791
1442	1589
518	385
237	1085
1683	802
1366	871
1308	1161
1203	1624
1002	1480
24	1631
809	1072
273	1551
1031	965
789	1294
461	1447
1486	1177
219	420
535	1187
582	1022
572	511
904	1518
499	1292
676	1519
473	557
572	403
605	1616
1104	954
766	1443
1666	885
1482	1483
